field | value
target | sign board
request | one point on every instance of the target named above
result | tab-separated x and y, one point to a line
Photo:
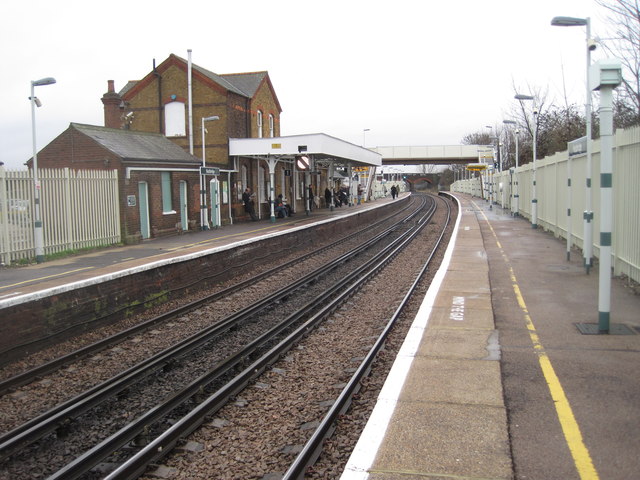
276	146
209	171
287	173
131	200
302	162
477	167
485	152
577	147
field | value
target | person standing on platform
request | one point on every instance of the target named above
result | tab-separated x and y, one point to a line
310	198
327	197
393	192
248	204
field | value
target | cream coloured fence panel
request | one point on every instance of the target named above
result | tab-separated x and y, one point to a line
80	209
555	199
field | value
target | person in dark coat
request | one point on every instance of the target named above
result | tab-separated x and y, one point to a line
248	204
327	197
310	198
393	192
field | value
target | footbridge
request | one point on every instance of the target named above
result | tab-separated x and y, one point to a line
434	154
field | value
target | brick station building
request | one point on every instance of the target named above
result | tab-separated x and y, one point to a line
160	189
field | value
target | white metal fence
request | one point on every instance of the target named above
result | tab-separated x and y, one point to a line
79	209
555	198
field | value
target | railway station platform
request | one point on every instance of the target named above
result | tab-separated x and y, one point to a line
29	281
495	380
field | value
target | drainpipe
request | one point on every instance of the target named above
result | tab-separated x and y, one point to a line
159	77
189	73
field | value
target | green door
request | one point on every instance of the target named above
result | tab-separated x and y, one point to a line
143	195
184	216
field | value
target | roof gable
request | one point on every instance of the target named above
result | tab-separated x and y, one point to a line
251	82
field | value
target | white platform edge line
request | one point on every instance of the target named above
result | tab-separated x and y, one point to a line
365	451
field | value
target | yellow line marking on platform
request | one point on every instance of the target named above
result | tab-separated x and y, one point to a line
570	427
45	278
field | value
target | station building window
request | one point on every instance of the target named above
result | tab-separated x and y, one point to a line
259	123
167	204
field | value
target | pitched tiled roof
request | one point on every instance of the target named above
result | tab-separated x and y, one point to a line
244	84
139	146
247	82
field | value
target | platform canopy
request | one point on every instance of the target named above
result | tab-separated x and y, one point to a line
319	146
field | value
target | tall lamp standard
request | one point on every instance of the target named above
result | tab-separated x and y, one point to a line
204	221
38	234
364	132
588	213
516	196
534	196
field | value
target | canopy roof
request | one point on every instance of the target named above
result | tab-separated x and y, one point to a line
320	146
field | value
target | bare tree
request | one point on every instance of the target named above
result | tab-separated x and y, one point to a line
624	18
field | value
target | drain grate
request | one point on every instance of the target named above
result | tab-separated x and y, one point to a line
614	329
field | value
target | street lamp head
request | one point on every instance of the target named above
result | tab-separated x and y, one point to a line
43	81
568	21
510	122
213	117
523	97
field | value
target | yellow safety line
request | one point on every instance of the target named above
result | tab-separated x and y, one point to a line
45	278
570	427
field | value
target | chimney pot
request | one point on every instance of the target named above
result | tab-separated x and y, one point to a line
111	88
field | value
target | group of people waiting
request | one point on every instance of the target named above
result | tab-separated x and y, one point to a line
281	209
340	197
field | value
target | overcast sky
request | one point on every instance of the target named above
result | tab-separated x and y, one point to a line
412	72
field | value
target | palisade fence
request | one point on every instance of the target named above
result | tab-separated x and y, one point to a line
556	199
79	209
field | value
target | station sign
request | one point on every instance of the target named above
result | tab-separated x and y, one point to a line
577	147
209	171
476	167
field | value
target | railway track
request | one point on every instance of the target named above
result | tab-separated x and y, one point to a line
259	353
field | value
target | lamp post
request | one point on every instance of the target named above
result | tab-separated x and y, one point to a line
516	196
588	212
534	197
606	76
204	221
364	132
38	234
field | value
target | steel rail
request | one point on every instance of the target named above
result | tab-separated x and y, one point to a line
313	447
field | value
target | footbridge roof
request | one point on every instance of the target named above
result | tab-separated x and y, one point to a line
433	154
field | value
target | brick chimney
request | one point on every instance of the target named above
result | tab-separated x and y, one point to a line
112	111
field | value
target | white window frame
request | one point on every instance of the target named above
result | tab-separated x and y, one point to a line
271	126
259	123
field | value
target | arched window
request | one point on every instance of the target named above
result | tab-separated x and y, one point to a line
259	123
272	128
174	120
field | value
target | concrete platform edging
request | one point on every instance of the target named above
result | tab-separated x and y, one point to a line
441	413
